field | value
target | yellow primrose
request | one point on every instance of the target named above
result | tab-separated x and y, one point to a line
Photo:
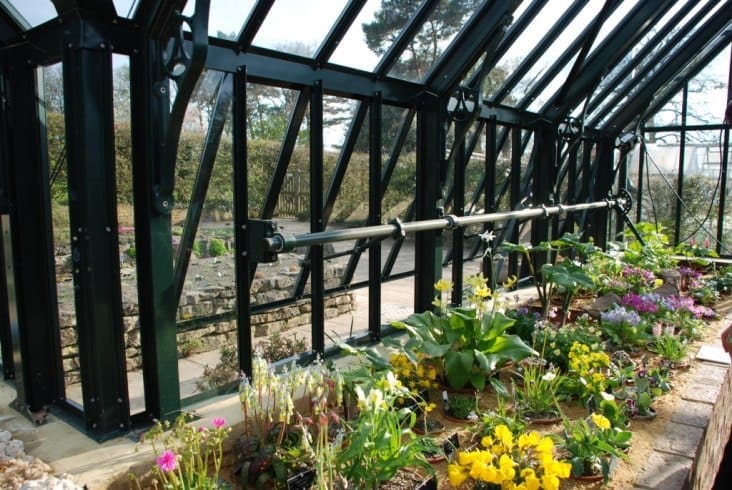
601	421
456	474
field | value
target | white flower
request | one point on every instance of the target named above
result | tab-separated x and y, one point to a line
607	396
550	376
487	236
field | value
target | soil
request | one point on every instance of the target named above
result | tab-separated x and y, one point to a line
645	432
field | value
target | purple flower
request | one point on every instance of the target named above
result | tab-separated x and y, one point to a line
642	373
167	461
641	304
218	422
619	316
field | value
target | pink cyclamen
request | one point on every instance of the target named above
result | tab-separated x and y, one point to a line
218	422
167	461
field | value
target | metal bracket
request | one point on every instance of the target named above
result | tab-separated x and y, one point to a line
184	69
259	231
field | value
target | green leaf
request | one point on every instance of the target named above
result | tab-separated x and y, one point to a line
478	381
458	366
483	362
494	325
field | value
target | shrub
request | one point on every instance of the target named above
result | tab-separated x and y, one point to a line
217	248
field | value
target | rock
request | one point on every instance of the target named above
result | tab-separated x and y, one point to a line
603	303
666	289
670	276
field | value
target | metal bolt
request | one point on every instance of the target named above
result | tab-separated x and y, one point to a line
244	253
102	45
108	229
165	204
119	400
243	227
163	90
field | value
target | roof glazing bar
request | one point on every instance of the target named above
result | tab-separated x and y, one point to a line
252	24
338	31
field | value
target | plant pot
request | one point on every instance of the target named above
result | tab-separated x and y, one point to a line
458	405
651	414
546	420
407	479
434	426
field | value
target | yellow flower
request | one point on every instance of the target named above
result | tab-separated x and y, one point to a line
505	464
550	482
443	285
456	474
486	441
476	281
490	474
510	282
545	445
601	421
528	440
466	458
503	434
483	292
657	283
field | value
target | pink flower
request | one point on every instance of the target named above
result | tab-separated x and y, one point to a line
167	461
218	422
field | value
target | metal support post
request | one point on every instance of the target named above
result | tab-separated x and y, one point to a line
153	237
515	186
428	245
317	224
489	204
544	176
682	163
242	258
375	194
32	281
95	248
458	208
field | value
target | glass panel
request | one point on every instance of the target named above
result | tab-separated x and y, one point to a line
554	86
702	173
430	42
660	174
354	49
556	49
126	232
35	12
226	17
626	84
530	37
634	85
612	22
55	126
206	326
298	28
707	92
126	8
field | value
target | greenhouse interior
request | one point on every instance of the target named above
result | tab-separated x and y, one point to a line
365	244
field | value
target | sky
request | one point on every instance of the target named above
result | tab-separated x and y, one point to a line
300	25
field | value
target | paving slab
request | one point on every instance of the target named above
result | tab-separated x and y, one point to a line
713	353
679	439
692	413
664	471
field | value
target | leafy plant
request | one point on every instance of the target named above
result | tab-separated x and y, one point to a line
222	373
460	405
190	457
624	328
588	451
466	343
278	346
196	249
670	347
535	397
380	441
566	278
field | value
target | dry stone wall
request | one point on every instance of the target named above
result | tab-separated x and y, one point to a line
210	291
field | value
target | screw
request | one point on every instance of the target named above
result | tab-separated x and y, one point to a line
163	90
102	45
244	253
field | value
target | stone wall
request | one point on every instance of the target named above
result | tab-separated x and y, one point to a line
214	300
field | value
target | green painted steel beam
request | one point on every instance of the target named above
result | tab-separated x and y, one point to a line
32	280
90	143
153	238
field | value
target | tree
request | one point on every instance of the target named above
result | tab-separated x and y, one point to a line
424	49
